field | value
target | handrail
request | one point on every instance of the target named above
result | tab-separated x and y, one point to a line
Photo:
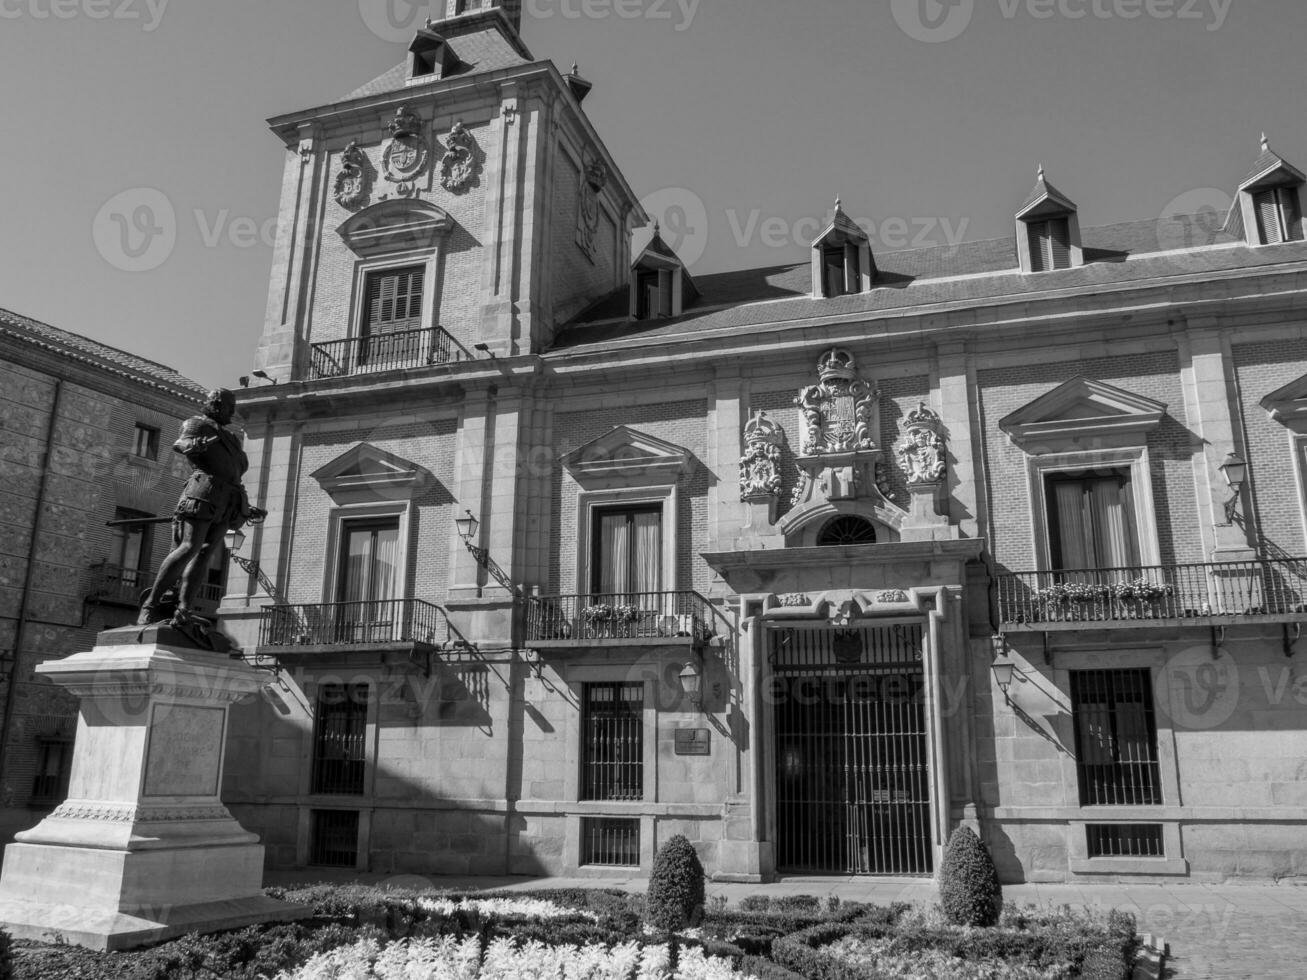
620	616
1177	591
382	352
354	623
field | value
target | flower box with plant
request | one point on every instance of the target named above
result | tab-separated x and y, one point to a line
598	613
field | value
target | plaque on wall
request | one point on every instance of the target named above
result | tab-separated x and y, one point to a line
692	741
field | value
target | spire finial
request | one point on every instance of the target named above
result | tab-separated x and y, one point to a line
1266	142
1041	171
839	203
576	69
658	228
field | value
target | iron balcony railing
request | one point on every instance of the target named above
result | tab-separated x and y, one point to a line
620	616
1259	587
347	624
382	352
116	584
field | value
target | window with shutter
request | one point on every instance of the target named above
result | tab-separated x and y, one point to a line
648	294
834	271
1050	244
1268	217
392	317
1292	207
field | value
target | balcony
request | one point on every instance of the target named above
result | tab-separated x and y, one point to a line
393	624
114	585
384	352
626	619
1223	593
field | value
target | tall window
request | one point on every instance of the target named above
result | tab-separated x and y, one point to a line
612	727
840	270
391	316
1116	738
369	552
1279	215
130	548
54	761
1050	244
339	739
145	442
628	551
1091	520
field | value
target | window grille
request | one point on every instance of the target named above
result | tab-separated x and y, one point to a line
1116	738
335	838
610	842
339	743
53	767
1125	840
612	724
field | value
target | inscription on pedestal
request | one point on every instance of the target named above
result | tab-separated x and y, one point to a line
185	750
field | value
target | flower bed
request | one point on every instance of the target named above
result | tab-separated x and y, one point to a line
592	934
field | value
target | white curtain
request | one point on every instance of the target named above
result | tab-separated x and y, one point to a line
648	553
1072	533
1093	526
630	553
370	572
614	553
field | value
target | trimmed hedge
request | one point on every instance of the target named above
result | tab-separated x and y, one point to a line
969	890
676	894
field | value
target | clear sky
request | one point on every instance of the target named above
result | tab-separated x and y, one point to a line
761	110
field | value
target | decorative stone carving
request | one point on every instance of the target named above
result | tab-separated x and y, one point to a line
796	599
461	164
921	453
353	183
760	473
405	155
892	595
839	411
593	180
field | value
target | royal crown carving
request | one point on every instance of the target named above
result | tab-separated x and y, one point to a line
593	180
461	164
353	182
839	412
921	453
406	123
760	466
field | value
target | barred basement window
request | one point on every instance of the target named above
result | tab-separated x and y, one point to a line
610	841
1124	840
1116	738
339	745
335	838
612	725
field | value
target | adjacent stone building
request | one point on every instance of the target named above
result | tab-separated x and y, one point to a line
86	436
570	551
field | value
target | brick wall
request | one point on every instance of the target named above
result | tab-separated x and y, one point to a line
577	279
1155	375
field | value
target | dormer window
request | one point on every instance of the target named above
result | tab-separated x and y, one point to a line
1048	230
1279	215
1267	209
1050	244
432	57
842	263
660	286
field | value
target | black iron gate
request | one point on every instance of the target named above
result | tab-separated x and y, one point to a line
852	772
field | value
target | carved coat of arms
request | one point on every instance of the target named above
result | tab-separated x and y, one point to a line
461	163
405	155
838	413
760	469
353	182
921	454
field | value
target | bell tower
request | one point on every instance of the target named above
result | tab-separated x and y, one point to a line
512	9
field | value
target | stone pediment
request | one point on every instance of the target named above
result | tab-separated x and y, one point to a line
394	226
1288	405
628	456
1079	409
372	473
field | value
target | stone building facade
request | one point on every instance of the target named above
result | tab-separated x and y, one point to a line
86	436
571	551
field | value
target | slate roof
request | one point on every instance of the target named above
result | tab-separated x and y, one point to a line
1132	252
481	50
83	349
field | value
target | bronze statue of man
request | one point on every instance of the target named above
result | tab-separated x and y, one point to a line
212	503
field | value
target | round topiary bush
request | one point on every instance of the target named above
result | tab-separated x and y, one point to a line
968	882
675	897
6	956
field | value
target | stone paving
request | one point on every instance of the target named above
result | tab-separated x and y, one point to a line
1215	932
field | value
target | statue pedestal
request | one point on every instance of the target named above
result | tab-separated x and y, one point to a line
143	849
